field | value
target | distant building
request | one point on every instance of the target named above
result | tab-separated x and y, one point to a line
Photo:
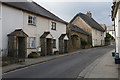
89	25
75	35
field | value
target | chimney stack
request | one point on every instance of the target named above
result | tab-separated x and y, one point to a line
89	14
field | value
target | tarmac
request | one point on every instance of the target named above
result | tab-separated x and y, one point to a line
103	67
32	61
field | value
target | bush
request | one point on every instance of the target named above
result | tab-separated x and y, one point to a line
83	42
34	55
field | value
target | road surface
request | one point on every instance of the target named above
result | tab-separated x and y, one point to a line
65	67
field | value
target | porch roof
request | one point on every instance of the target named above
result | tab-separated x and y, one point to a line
18	32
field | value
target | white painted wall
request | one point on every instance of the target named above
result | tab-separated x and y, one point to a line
60	29
11	19
0	29
36	31
97	37
42	25
117	28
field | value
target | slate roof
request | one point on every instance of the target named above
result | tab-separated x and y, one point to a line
77	29
62	36
34	8
45	34
18	32
90	21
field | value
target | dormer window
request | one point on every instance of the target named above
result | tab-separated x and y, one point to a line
53	26
31	20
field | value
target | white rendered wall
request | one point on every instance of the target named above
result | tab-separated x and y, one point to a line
96	38
117	24
42	25
11	19
36	31
0	29
60	29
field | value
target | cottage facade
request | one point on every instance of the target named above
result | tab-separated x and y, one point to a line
35	21
116	19
0	30
88	24
12	19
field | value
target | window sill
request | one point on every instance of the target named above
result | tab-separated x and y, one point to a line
31	48
32	24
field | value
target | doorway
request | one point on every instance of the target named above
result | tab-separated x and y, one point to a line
49	46
65	46
21	47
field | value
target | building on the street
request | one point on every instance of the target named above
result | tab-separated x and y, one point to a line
42	28
105	28
75	34
116	19
111	30
89	25
0	30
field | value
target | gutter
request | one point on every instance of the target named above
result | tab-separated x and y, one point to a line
115	10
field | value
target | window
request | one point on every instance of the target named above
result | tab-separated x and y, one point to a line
32	20
31	42
53	26
54	43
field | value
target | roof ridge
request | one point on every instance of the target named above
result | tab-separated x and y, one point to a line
46	9
35	8
94	21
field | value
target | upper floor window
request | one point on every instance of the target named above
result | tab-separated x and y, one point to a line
53	26
32	20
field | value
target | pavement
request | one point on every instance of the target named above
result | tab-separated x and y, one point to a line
103	67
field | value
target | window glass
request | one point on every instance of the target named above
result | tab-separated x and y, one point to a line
53	26
31	42
32	20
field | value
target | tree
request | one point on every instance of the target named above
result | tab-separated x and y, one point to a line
83	42
109	37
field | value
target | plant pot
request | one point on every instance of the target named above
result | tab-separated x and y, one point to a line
117	61
113	54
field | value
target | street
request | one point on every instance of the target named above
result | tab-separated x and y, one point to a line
65	67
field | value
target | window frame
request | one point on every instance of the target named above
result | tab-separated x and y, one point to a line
32	20
29	45
53	26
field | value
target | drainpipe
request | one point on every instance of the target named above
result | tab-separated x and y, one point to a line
115	33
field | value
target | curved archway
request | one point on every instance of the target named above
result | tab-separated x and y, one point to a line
75	41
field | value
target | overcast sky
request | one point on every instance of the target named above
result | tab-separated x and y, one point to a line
67	10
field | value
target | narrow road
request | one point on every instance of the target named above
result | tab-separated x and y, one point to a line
65	67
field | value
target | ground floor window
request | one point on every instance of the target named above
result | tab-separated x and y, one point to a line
31	42
54	43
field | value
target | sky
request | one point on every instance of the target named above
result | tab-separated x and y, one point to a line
67	10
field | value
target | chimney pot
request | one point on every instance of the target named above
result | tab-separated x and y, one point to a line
89	14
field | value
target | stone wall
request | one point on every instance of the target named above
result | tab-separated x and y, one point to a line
78	43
